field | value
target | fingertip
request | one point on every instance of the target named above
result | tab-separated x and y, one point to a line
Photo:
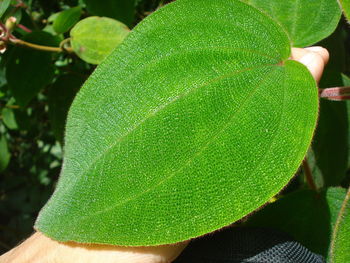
315	64
320	51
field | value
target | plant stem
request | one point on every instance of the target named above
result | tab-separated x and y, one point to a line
24	28
308	175
40	47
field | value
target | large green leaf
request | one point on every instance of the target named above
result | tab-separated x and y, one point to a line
66	19
346	7
29	70
306	21
60	97
94	38
122	10
340	251
184	129
307	216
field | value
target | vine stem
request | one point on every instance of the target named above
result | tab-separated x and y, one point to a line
39	47
308	175
335	93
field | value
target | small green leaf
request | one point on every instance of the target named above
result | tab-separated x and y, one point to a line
307	216
4	153
94	38
60	97
122	10
340	249
183	129
4	4
9	118
346	8
66	19
306	21
29	70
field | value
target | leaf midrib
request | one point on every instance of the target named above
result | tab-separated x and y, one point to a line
209	142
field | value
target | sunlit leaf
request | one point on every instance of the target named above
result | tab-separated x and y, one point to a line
340	251
184	129
306	21
94	38
346	7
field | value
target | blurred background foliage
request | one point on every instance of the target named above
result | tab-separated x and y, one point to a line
53	46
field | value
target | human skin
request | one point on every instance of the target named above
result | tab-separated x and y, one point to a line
41	249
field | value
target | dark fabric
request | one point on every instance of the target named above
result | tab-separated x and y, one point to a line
248	245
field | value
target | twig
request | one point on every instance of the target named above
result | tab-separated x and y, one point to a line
335	94
39	47
24	28
308	175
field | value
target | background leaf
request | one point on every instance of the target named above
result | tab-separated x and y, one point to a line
307	216
4	4
122	10
346	8
4	153
175	136
66	19
307	22
94	38
28	70
61	95
341	242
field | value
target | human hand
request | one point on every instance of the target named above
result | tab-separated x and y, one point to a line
41	249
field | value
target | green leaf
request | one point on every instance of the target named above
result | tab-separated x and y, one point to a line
346	8
183	129
9	119
94	38
4	154
307	216
340	250
122	10
66	19
60	97
306	21
29	70
4	4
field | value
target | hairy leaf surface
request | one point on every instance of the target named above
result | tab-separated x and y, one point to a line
340	251
307	21
196	120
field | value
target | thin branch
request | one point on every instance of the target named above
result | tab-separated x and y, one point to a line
335	93
39	47
24	28
308	175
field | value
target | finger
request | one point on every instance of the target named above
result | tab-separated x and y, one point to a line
314	58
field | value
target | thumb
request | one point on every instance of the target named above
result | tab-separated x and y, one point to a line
314	58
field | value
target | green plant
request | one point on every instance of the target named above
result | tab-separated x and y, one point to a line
195	120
